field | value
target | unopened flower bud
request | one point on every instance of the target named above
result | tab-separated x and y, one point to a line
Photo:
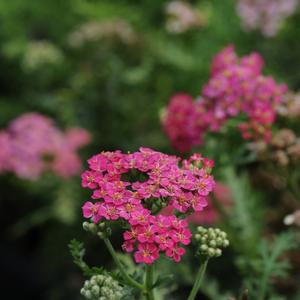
95	290
203	247
197	236
225	243
90	227
218	252
211	252
211	241
102	287
88	294
101	235
85	226
102	225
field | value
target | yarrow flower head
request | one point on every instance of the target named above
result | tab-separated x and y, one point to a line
102	287
32	144
135	187
236	87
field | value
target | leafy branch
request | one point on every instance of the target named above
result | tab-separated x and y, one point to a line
271	263
77	251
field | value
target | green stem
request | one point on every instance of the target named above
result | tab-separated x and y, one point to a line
149	282
198	280
126	277
263	290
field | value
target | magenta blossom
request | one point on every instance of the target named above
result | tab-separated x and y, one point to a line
158	180
236	87
147	253
32	144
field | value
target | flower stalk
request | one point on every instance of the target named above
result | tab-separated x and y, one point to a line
149	282
130	281
198	280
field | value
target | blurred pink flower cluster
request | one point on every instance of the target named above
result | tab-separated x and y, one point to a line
32	144
236	87
266	15
134	187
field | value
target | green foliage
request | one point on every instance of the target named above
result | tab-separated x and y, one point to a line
246	218
77	251
211	289
271	264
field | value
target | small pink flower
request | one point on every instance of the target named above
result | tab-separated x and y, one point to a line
129	207
147	253
128	246
109	211
161	223
182	236
164	241
205	186
140	217
90	179
175	253
91	210
198	202
146	234
131	235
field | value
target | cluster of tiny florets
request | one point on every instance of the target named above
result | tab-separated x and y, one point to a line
237	86
211	241
283	149
32	144
41	54
102	287
134	187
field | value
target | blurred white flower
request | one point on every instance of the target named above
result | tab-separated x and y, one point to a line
40	54
96	31
181	17
292	219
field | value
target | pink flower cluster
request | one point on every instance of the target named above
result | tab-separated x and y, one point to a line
236	87
32	144
266	15
152	181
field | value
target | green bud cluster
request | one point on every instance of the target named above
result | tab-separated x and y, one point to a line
102	287
101	229
210	241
